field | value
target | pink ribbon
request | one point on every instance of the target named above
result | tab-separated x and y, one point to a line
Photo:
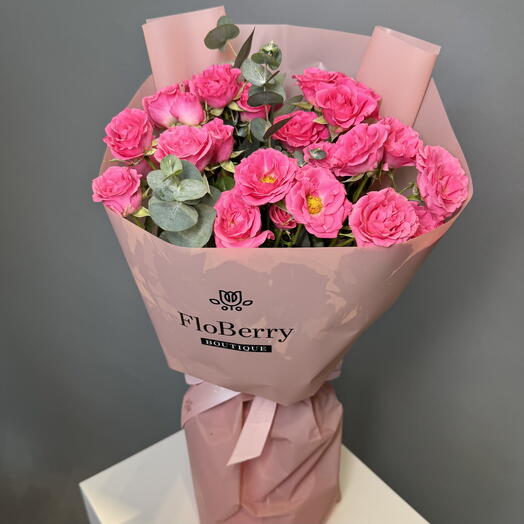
250	444
255	431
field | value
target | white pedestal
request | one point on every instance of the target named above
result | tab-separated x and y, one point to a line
154	487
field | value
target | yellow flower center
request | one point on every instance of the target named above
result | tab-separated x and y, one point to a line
268	178
314	204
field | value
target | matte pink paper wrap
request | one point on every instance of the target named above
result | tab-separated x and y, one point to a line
295	480
276	322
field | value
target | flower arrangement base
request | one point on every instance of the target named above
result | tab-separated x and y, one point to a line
155	487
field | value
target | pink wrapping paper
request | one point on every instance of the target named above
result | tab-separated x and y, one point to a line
399	67
294	481
306	305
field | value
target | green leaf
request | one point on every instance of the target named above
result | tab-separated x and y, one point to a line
228	166
258	127
197	235
244	51
253	73
265	98
171	165
190	189
288	106
189	171
303	105
163	187
172	216
317	153
218	37
142	212
299	156
275	127
234	154
224	20
216	111
234	106
320	120
211	198
225	183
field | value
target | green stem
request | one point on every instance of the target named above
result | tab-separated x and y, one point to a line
150	162
278	238
345	243
333	243
360	187
297	234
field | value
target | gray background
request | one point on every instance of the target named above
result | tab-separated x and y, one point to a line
432	393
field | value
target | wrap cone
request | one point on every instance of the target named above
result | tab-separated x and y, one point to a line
275	322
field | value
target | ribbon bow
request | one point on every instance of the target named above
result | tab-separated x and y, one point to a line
252	439
255	431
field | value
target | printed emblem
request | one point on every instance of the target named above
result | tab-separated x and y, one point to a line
230	300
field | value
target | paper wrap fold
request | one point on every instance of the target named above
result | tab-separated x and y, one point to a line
305	306
295	478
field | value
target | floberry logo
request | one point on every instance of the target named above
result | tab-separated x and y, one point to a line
230	300
238	338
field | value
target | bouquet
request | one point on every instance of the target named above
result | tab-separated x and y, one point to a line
260	145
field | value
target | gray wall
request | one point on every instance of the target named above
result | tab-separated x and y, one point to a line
432	393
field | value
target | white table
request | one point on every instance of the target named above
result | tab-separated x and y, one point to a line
154	487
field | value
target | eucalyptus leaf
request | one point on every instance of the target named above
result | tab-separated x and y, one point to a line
299	156
170	165
189	171
288	105
211	198
263	58
275	127
218	37
197	235
253	73
172	216
265	98
163	187
224	20
244	51
258	127
190	189
317	153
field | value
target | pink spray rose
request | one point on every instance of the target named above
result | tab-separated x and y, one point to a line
119	189
301	130
318	200
427	222
238	224
402	144
188	109
193	144
265	176
158	106
217	85
347	103
280	218
222	140
326	147
359	150
249	112
314	79
383	218
442	182
129	134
